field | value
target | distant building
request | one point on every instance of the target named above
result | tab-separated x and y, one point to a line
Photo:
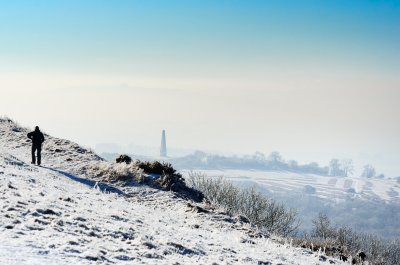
163	149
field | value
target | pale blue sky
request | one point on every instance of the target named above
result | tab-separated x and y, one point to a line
312	79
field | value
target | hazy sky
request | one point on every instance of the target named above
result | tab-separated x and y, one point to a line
311	79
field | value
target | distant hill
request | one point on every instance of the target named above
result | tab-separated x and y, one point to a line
202	160
369	205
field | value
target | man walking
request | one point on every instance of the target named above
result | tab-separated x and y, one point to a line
37	139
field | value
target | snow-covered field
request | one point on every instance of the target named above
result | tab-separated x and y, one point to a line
331	188
55	214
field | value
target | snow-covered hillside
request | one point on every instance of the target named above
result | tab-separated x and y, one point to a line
57	214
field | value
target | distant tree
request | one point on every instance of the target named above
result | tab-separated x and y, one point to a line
293	164
313	165
368	172
275	157
347	167
322	227
276	160
335	167
259	156
325	170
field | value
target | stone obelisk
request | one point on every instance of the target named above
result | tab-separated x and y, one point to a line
163	149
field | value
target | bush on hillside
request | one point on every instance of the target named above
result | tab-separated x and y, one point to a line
346	242
109	172
124	159
309	189
156	168
266	214
156	174
169	179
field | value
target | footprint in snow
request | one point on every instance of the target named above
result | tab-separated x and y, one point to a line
11	186
47	212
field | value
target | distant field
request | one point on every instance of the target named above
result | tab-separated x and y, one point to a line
331	188
369	205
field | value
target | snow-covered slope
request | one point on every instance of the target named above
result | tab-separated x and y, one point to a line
56	215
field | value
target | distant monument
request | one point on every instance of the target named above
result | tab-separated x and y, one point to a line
163	149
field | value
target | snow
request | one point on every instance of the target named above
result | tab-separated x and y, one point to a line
57	214
335	188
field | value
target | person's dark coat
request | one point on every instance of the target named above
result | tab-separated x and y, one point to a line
37	137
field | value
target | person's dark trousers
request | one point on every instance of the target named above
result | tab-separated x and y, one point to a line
37	148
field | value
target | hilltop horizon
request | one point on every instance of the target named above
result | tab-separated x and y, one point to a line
153	152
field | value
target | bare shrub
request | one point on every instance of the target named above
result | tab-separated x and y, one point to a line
140	177
262	212
392	252
156	167
110	172
351	242
280	219
155	174
123	159
173	182
322	227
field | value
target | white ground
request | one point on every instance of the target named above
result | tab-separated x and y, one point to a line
54	215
